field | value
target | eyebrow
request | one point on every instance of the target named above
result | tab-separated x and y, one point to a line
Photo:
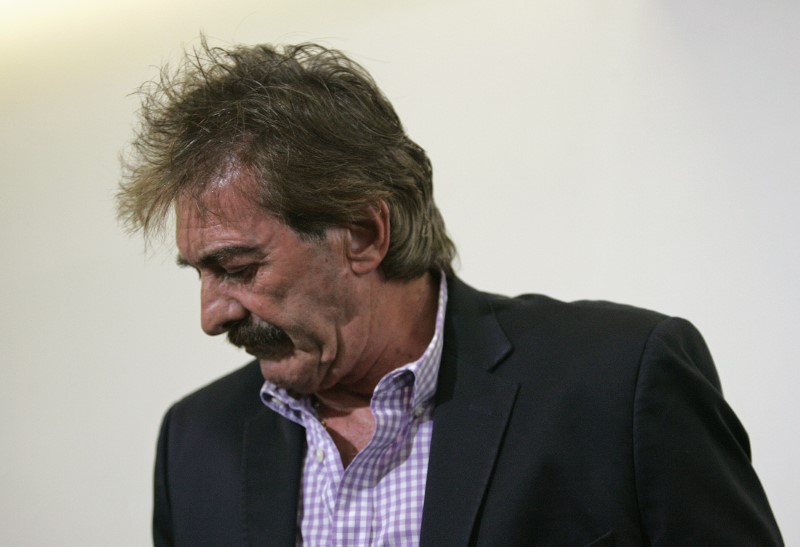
218	257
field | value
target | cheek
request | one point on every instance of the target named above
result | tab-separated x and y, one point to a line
267	289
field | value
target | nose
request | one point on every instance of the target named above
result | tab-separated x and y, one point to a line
218	309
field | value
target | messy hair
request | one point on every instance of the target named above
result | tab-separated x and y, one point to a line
311	125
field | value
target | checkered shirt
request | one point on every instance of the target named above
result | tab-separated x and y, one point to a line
377	499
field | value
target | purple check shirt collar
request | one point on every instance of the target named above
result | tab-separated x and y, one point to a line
378	499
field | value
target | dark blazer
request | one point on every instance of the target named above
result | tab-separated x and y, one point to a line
556	424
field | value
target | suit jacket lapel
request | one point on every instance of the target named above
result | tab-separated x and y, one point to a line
472	410
270	490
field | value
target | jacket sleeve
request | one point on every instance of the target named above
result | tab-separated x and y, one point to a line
694	478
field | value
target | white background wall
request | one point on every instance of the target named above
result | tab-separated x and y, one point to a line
644	152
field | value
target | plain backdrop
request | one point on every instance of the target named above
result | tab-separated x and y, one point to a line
642	152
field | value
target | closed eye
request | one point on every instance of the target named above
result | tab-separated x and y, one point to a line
240	274
235	263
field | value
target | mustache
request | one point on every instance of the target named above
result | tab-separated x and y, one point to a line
253	333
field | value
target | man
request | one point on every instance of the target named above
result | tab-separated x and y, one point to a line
389	402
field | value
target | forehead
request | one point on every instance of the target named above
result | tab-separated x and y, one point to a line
230	199
225	215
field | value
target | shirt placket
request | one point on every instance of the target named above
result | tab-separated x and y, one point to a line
353	516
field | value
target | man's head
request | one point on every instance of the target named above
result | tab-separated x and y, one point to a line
323	144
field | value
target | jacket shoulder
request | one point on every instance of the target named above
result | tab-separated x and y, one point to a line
594	324
566	313
234	395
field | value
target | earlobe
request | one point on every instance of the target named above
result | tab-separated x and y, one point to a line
369	239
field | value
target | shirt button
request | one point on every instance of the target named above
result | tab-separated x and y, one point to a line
320	455
419	411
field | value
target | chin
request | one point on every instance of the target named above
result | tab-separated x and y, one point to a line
300	382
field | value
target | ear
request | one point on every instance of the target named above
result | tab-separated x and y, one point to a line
369	239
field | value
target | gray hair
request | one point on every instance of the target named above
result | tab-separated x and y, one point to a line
321	139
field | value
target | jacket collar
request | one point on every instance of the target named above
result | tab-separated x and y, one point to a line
472	409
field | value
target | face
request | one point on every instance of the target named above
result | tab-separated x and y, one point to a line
288	300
